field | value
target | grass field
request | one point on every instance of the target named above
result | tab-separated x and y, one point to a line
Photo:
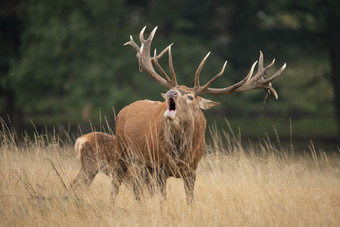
254	185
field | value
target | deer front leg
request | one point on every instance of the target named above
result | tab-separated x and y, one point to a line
189	185
162	177
139	175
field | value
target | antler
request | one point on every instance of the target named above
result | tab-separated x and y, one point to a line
250	82
146	61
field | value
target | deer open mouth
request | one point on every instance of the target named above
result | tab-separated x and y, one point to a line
172	108
172	105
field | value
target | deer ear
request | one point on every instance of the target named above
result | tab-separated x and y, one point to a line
163	95
206	104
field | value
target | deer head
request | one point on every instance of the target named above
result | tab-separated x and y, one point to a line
184	101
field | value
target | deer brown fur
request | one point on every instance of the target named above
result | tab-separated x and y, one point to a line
95	151
169	145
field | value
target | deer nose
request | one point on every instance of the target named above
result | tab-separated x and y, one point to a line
172	94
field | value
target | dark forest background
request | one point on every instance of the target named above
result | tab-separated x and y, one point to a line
63	63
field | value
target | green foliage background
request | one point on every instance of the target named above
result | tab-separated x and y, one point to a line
63	62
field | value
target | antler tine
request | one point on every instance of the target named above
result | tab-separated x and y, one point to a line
152	34
214	78
171	68
276	74
198	72
160	69
270	65
250	74
132	43
260	65
270	88
141	35
163	51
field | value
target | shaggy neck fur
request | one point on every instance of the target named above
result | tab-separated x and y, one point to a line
179	143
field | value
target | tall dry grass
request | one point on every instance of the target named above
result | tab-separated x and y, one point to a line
258	184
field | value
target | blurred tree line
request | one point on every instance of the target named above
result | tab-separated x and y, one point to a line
64	61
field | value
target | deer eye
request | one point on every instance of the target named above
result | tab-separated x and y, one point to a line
190	97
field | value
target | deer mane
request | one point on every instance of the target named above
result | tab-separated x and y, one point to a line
179	140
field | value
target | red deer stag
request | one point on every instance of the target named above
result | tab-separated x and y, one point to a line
168	137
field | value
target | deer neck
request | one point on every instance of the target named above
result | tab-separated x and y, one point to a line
178	136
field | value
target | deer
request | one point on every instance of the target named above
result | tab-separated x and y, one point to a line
168	138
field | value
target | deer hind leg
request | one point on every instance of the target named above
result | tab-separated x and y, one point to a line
88	171
189	185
